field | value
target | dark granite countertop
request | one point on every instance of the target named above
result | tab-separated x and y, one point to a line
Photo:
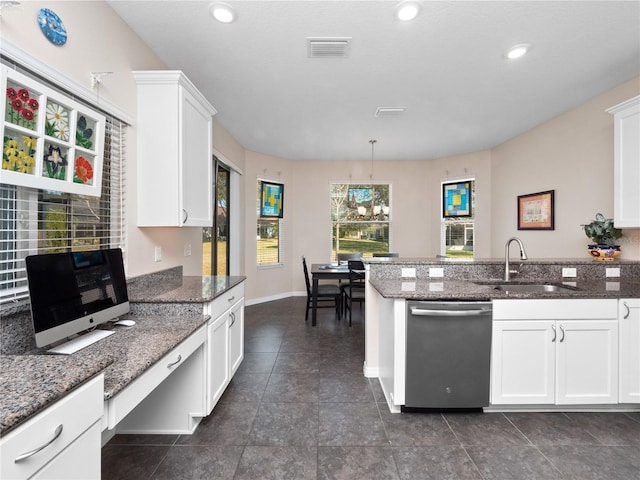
31	383
182	289
439	289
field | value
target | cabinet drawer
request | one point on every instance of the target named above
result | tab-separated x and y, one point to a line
125	401
76	413
556	309
220	304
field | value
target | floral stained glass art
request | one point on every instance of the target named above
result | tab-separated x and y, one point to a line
57	124
18	153
50	141
22	106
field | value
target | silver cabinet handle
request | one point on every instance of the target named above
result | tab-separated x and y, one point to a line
24	456
562	330
176	362
628	310
231	299
233	319
555	334
186	216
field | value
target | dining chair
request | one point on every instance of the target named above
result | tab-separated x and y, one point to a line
344	257
354	290
326	293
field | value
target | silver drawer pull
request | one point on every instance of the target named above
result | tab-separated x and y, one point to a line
24	456
233	319
562	330
628	311
553	327
176	362
231	299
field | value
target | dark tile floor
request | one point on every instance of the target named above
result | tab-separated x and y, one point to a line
300	408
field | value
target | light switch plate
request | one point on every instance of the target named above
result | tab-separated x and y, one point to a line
436	272
157	254
408	273
569	272
612	272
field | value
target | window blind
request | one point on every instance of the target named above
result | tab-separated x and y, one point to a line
36	221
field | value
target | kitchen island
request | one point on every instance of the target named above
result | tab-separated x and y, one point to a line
392	282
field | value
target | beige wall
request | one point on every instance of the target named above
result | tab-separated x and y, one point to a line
98	40
573	155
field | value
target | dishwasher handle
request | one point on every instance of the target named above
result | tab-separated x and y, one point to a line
449	313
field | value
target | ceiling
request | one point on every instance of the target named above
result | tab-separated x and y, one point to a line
446	67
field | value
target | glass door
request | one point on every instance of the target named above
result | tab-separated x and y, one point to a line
215	239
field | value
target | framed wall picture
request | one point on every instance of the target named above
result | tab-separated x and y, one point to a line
535	211
456	199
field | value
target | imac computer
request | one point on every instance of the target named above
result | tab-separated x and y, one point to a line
73	292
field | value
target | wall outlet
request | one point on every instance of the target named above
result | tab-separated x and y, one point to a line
187	249
436	272
569	272
408	273
612	272
157	254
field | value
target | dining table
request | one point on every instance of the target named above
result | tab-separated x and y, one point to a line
323	271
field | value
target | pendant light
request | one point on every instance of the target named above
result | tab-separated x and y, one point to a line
372	142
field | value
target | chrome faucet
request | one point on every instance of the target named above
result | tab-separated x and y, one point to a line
523	256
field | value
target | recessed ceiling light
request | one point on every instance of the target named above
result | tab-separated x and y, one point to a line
517	51
406	11
222	12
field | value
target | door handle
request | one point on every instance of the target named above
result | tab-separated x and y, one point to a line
26	455
562	330
628	310
555	334
233	319
176	362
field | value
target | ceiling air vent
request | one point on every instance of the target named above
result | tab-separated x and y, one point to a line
336	47
389	111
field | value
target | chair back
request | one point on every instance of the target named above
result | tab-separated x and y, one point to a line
306	276
343	257
356	272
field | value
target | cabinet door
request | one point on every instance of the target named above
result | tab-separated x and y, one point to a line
587	362
197	162
523	362
626	204
236	336
630	351
217	360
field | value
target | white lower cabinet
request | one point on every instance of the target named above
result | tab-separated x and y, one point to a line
225	342
62	442
629	319
554	352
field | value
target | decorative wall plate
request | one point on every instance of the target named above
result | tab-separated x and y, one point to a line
52	26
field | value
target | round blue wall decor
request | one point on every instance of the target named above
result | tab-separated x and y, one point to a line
52	26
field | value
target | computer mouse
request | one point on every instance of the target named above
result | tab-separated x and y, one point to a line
124	323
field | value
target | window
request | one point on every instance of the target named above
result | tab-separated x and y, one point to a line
34	221
268	235
215	240
360	218
457	233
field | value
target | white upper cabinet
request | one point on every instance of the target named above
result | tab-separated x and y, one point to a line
175	147
626	204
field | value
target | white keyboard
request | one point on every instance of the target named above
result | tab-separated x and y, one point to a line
78	343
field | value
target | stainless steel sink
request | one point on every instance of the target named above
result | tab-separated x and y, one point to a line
537	287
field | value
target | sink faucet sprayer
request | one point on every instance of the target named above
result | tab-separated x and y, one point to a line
523	256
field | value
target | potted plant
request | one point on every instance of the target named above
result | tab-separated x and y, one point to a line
604	236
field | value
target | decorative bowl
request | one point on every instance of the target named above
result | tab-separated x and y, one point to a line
604	253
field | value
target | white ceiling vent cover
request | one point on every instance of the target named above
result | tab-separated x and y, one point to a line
389	111
325	47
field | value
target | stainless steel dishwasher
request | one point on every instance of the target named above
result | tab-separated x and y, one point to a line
448	355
